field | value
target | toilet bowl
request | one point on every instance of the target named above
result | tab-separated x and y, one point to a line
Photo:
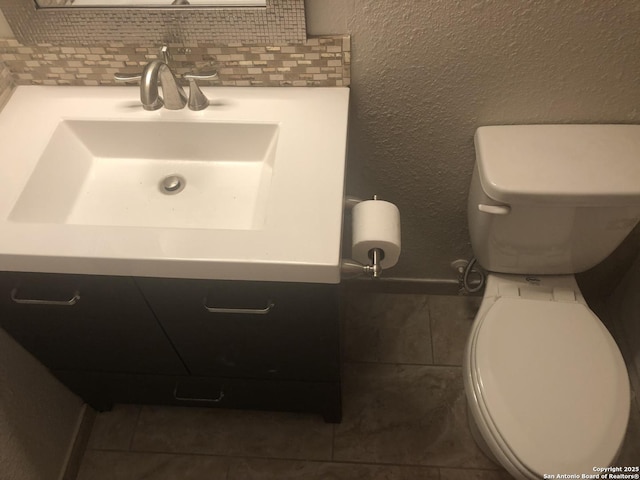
546	386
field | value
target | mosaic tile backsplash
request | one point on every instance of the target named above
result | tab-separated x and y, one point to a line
316	62
279	21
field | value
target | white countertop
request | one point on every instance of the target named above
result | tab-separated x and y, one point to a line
299	240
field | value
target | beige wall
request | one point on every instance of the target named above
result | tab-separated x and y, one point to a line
38	417
426	73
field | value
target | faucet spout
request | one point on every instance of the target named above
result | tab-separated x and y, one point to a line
173	96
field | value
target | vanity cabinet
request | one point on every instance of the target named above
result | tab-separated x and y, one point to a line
253	344
249	329
85	323
235	344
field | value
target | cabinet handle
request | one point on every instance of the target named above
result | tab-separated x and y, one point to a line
194	399
34	301
246	311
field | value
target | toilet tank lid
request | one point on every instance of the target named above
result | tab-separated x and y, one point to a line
580	165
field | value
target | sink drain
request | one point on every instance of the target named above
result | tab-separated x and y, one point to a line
172	184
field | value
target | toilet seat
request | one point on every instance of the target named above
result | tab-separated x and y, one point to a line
550	385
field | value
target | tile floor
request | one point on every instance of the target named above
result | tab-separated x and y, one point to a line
404	414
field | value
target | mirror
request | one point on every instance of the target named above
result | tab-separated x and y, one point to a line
150	3
278	21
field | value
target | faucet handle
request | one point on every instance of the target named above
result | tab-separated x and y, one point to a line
205	74
136	77
197	99
127	77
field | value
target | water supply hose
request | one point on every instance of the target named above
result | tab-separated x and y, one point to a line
465	277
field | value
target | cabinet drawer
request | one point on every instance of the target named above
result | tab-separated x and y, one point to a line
103	390
85	322
250	329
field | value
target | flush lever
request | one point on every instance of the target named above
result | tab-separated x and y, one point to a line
494	209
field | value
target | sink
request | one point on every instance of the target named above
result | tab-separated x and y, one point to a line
251	188
225	171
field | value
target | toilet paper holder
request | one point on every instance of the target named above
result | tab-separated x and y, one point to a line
350	268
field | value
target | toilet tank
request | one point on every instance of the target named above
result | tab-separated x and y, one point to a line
553	199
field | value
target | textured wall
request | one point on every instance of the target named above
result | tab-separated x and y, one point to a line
38	417
426	73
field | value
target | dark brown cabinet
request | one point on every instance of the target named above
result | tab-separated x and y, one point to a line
262	345
85	323
249	329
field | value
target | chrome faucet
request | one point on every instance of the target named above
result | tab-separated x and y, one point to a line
173	96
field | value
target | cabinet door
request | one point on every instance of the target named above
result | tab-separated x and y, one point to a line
250	329
85	323
104	389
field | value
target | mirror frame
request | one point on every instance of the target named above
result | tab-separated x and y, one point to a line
281	21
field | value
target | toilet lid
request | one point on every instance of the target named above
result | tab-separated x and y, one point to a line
553	383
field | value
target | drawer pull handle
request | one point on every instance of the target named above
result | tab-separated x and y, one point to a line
194	399
245	311
34	301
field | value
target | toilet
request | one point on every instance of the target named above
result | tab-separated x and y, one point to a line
546	385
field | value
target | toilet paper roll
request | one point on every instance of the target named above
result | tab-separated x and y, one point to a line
376	224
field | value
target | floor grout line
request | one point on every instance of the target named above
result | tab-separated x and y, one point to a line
294	459
433	350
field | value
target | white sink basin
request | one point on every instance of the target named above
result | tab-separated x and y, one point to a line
260	196
224	168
